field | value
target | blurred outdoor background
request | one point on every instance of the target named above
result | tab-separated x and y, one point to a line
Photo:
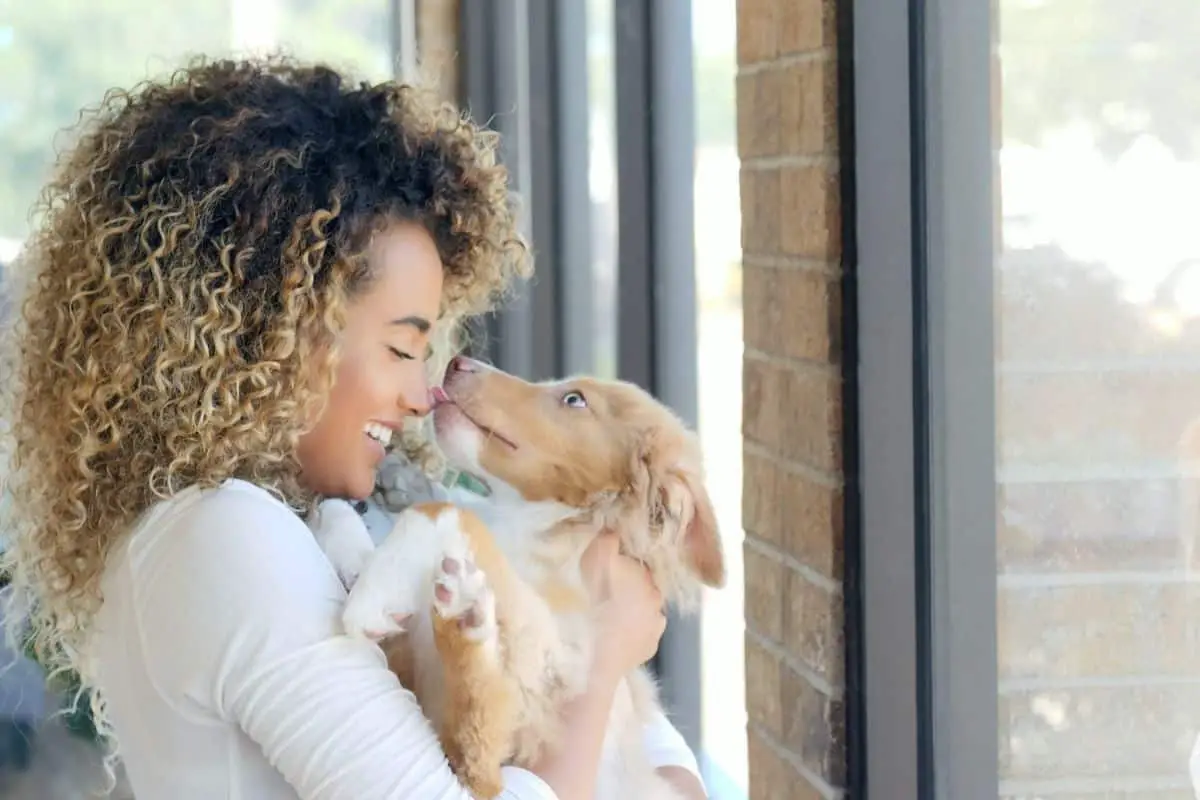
1097	360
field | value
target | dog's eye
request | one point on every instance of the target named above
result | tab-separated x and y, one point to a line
574	399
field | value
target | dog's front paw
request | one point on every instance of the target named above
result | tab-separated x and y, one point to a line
461	594
373	617
396	582
380	604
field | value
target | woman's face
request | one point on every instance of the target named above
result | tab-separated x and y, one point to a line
380	377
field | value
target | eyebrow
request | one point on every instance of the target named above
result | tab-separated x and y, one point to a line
420	323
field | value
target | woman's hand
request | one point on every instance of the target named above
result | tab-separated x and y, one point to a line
629	608
630	622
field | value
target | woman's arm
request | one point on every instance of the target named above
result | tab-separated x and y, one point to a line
684	781
669	753
240	620
573	767
629	620
573	773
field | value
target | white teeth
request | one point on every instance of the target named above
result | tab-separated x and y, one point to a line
380	433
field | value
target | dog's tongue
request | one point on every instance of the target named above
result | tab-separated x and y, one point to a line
438	395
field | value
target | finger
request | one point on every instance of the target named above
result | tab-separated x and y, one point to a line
604	546
599	552
598	563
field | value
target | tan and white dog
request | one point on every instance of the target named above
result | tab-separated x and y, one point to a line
479	603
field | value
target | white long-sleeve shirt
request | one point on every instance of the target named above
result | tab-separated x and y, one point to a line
220	653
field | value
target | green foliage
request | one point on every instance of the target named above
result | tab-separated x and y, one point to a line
59	56
1121	67
78	718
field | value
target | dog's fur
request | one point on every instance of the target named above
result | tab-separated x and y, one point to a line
480	603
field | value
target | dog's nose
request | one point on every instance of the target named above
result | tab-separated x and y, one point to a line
463	364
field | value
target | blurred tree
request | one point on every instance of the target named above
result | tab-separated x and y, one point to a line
60	56
1122	68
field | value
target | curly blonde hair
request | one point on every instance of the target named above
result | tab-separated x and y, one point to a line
196	250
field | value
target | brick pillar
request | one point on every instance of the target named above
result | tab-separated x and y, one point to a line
792	507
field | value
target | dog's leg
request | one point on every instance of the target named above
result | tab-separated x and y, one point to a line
479	715
443	561
343	537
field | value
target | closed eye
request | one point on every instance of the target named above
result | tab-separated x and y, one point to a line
400	354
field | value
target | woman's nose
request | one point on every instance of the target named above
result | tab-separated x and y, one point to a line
418	398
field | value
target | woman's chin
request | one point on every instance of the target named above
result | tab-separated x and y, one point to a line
355	486
362	488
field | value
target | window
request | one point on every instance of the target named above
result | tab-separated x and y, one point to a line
1097	396
1027	180
719	347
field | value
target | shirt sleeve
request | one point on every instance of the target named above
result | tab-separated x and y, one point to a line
666	747
240	618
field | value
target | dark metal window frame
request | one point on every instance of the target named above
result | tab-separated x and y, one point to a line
523	67
923	261
523	70
656	292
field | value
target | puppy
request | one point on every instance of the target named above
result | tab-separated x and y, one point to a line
479	602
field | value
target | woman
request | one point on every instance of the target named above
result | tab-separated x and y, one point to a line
238	274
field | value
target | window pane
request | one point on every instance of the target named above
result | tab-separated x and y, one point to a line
1098	398
57	57
602	182
718	256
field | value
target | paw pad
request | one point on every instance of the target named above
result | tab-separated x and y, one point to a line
461	593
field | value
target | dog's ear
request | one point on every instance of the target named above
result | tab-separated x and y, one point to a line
701	538
680	504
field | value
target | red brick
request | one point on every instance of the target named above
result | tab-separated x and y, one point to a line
764	697
805	25
807	107
757	31
1099	733
1099	631
814	727
794	513
772	777
813	627
765	595
792	312
760	126
792	500
810	219
794	412
760	211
